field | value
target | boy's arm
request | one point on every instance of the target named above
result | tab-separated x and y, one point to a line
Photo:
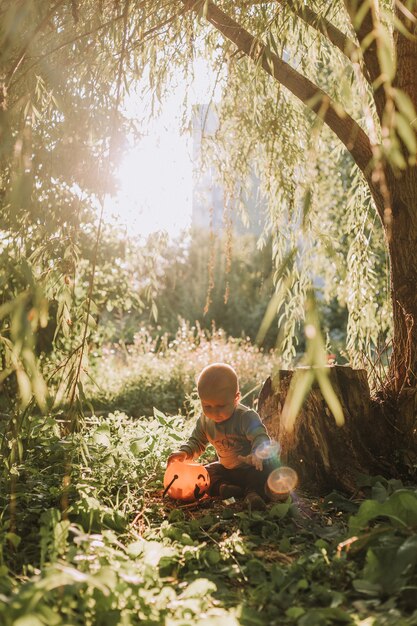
257	434
196	443
254	430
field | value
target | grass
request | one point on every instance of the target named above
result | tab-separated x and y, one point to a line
87	539
162	372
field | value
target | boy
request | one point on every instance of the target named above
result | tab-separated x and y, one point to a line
235	431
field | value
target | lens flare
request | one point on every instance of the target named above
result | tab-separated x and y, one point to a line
267	450
282	480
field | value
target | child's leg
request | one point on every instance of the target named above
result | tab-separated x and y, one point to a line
218	474
255	481
251	479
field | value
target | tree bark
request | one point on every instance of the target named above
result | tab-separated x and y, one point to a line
402	246
324	455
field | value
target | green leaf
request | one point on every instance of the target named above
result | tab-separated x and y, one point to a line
366	587
407	133
139	445
325	617
277	297
386	54
379	492
330	396
31	619
396	157
406	558
400	508
107	576
299	388
360	14
13	539
154	551
102	439
295	612
199	588
405	105
134	549
279	510
212	556
306	205
25	387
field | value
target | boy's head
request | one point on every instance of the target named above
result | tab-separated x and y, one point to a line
218	388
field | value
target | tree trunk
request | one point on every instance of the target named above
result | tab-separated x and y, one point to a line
395	195
400	391
324	455
403	259
401	234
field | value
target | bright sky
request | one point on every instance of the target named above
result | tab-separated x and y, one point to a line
155	176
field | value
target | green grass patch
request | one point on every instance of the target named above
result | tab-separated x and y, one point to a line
87	539
162	372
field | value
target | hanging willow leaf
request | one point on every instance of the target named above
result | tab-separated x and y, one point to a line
407	133
300	386
405	105
330	396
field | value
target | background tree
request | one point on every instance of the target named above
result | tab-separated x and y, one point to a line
380	46
349	64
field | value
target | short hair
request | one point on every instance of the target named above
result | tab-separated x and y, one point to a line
219	376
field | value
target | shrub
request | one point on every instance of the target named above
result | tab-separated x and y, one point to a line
157	372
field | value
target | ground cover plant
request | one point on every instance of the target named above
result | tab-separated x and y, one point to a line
163	369
86	538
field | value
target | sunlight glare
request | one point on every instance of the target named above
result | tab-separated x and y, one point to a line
155	177
282	480
268	450
155	180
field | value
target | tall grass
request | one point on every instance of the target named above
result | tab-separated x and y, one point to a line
161	372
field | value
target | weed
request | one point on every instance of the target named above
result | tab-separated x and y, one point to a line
86	539
159	372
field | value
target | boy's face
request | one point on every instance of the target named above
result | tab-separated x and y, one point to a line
219	405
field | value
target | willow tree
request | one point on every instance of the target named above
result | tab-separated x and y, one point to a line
319	100
357	76
378	51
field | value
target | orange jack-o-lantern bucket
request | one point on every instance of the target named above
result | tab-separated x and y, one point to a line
186	481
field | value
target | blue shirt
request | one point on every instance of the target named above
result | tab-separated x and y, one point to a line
239	435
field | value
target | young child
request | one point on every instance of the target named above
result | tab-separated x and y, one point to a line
235	431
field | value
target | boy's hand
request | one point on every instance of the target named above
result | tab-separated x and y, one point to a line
180	456
252	459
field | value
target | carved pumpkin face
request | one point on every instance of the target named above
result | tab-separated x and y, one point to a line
191	482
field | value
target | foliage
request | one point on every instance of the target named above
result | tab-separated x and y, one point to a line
91	542
321	231
75	548
237	301
60	65
241	285
132	377
46	306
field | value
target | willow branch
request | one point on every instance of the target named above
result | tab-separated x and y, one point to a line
22	54
100	223
62	45
366	33
322	25
317	100
326	28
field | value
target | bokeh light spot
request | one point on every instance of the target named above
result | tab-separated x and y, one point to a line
268	450
282	480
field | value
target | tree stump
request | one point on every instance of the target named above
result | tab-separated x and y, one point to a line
324	455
